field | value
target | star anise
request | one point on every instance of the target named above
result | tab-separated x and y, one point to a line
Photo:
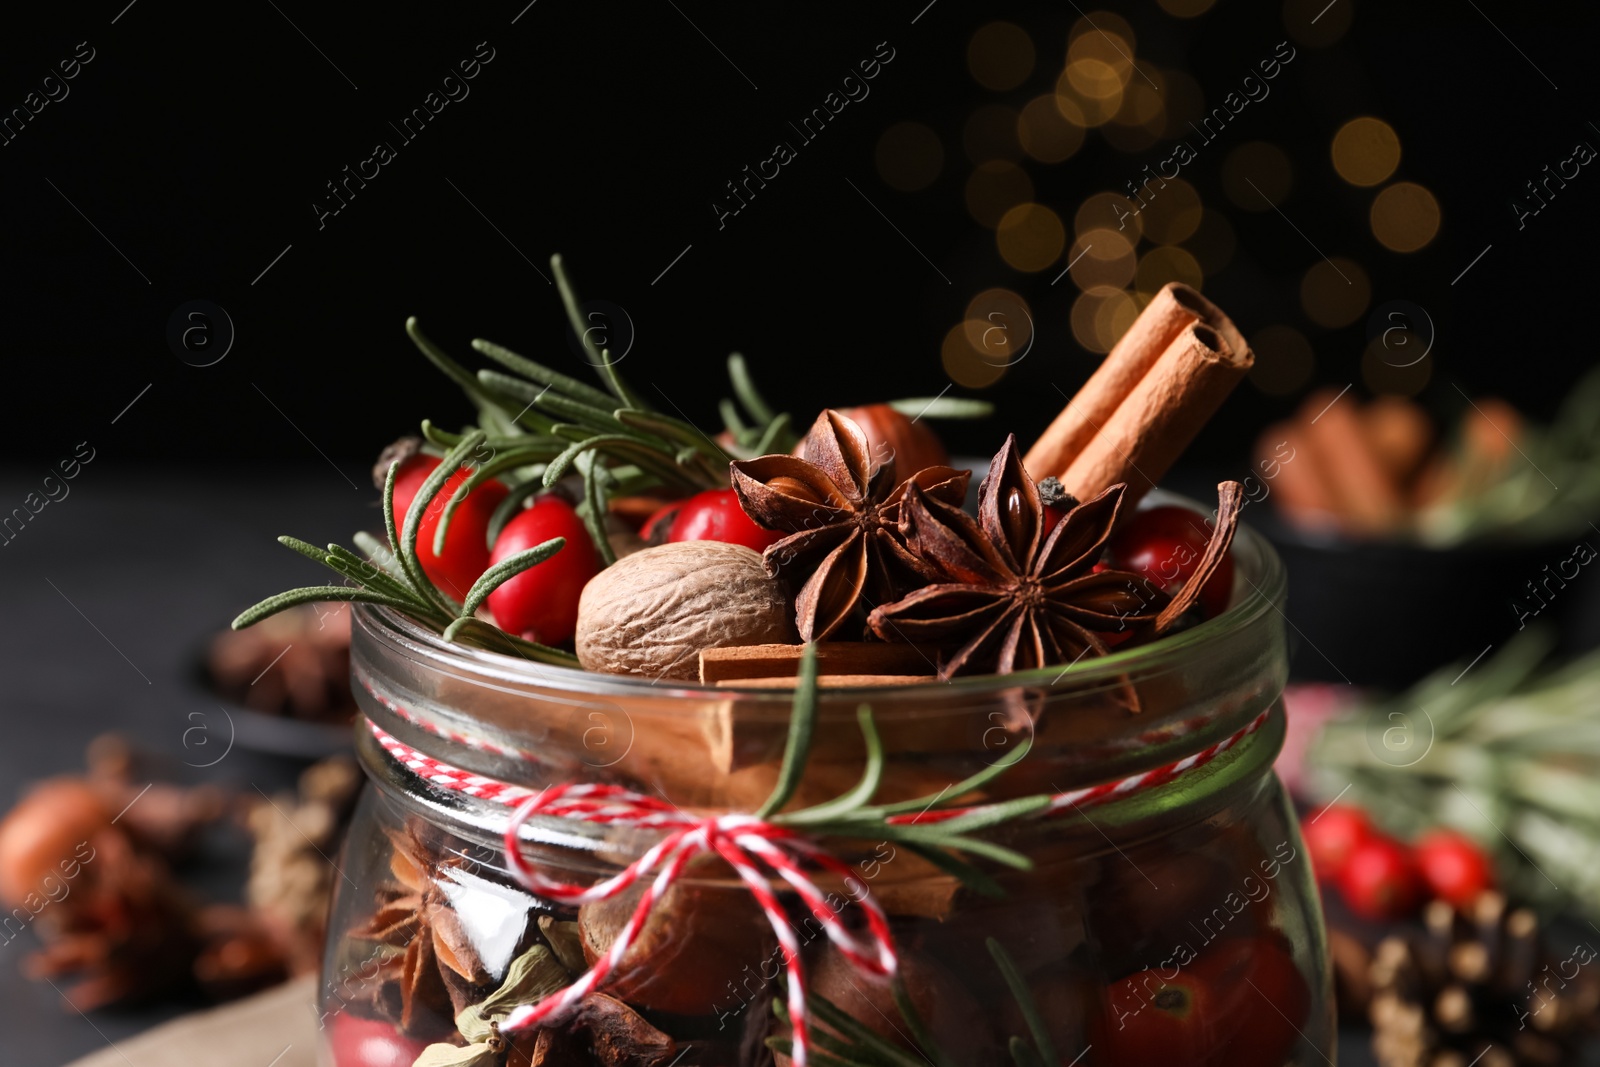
842	514
1013	598
415	918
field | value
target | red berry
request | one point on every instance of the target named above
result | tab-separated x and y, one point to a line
466	546
1242	1002
541	603
357	1042
1453	867
1380	879
659	524
1333	836
1165	545
715	515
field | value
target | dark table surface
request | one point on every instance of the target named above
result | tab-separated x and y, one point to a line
109	596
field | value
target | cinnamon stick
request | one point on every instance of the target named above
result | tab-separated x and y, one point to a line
833	681
1400	434
1163	413
1141	396
722	665
1300	489
1368	500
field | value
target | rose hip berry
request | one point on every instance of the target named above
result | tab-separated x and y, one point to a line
466	546
659	524
1241	1003
541	603
1333	837
1380	879
1453	867
1165	545
357	1042
715	515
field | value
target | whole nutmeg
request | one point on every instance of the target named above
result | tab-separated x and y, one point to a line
652	612
45	838
698	945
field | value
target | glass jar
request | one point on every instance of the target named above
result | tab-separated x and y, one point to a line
1179	920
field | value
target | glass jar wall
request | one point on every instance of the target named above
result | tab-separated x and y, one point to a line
1179	920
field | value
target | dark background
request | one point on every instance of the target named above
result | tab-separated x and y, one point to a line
197	142
194	144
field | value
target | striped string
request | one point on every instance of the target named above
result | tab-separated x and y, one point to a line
757	851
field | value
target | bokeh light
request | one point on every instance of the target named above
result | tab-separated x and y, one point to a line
1380	375
1143	105
1186	9
999	326
1030	237
1317	23
1097	55
1366	151
1168	263
1100	316
1044	132
995	188
1171	213
1257	176
991	133
909	156
1095	78
1335	292
1102	258
963	363
1083	108
1109	211
1284	360
1405	217
1000	56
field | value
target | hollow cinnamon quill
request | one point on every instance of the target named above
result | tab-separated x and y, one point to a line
1157	387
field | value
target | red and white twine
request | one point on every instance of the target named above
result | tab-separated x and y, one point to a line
756	849
455	736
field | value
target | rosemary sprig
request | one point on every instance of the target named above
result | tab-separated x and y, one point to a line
538	372
538	421
392	575
1506	751
596	488
802	725
948	842
853	1045
600	358
1043	1050
541	421
757	430
943	407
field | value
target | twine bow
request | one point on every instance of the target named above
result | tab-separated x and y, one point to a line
747	843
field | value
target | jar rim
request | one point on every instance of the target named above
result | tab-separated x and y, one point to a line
1256	563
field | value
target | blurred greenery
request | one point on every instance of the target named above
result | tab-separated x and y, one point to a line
1548	489
1507	752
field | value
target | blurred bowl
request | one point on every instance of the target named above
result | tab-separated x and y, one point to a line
1385	613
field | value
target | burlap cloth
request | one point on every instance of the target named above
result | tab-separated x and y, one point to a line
246	1033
